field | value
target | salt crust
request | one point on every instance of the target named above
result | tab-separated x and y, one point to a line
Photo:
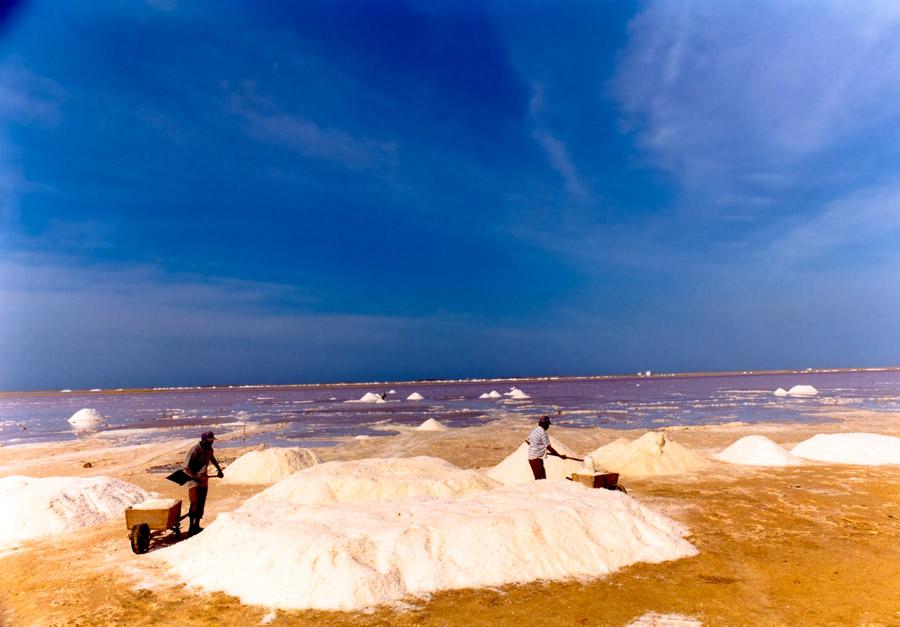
757	450
415	396
803	390
34	507
269	465
651	454
350	557
869	449
155	504
515	469
375	479
653	619
431	425
87	418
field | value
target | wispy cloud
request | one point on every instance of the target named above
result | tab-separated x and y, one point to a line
556	150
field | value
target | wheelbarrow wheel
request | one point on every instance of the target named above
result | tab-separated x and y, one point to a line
140	538
177	531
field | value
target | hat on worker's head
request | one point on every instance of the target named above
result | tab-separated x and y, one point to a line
207	436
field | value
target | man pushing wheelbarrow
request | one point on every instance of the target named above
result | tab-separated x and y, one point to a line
196	466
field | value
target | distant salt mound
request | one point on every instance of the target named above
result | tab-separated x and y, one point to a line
757	450
39	507
491	394
869	449
518	395
87	418
431	425
651	454
368	397
803	390
415	396
780	392
484	395
365	480
515	469
269	465
352	557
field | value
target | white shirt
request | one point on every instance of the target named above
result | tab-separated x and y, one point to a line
538	441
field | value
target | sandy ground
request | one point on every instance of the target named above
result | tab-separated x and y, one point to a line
810	545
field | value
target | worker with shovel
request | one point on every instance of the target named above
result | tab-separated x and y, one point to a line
196	467
539	446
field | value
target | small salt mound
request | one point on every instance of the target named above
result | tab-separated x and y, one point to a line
651	454
415	396
87	418
270	465
870	449
512	391
484	395
385	479
38	507
431	425
757	450
780	392
155	504
803	390
494	394
368	397
351	557
392	391
515	469
518	395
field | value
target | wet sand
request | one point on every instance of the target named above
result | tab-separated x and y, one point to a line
811	545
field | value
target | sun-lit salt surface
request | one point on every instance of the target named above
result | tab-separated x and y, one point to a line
155	504
350	557
651	454
34	507
269	465
415	396
87	418
515	469
375	479
803	390
757	450
870	449
431	425
653	619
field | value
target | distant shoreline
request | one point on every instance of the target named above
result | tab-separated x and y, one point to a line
609	377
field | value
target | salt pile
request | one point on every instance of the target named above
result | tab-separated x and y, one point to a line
269	465
491	394
384	479
515	469
431	425
415	396
155	504
518	395
87	418
757	450
651	454
352	557
803	390
38	507
870	449
780	392
368	397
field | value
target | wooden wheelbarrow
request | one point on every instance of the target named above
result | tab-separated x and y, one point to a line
145	523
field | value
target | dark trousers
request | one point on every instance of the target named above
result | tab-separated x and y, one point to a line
198	501
537	467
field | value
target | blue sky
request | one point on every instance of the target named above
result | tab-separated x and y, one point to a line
228	192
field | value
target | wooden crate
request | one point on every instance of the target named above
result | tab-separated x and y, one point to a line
157	519
607	480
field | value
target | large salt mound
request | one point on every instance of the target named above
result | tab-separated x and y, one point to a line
757	450
515	469
431	425
870	449
352	557
375	480
803	390
651	454
415	396
270	465
38	507
87	418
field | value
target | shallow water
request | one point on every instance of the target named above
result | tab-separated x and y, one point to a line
314	415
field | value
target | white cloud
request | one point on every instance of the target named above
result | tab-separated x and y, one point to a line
725	91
